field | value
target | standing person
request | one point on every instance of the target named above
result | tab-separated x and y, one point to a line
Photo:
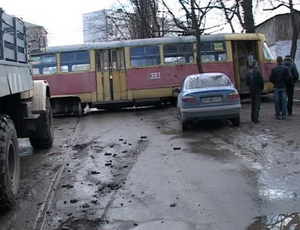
288	61
255	81
280	76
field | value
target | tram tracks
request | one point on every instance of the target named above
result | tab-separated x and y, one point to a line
96	162
39	222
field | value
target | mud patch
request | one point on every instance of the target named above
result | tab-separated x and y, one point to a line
80	224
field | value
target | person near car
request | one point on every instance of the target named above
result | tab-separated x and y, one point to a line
280	76
255	81
288	61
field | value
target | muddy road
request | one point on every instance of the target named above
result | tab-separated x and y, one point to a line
135	169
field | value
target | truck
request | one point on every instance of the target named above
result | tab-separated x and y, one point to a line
25	109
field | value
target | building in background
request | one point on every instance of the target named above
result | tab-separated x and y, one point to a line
278	32
105	25
115	24
36	37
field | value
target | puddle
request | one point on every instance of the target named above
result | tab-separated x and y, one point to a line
276	222
274	188
208	148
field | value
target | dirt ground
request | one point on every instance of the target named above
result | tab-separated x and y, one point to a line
289	128
120	170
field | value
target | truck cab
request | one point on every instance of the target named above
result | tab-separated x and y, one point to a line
25	110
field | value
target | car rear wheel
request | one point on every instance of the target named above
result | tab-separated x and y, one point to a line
235	121
184	125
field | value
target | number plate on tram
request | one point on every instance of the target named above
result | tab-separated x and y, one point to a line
211	99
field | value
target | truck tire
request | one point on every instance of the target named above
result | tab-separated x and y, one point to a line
9	163
44	136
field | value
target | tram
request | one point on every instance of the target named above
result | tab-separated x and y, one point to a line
143	71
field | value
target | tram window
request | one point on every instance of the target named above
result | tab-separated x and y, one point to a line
64	68
75	61
213	51
79	67
35	60
206	46
98	61
267	53
207	57
178	53
49	69
222	57
43	59
35	71
122	56
213	46
44	64
114	60
105	61
49	58
84	56
144	56
213	56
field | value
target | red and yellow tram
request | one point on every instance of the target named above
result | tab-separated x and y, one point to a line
143	71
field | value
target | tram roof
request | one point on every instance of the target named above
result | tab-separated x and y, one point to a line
149	41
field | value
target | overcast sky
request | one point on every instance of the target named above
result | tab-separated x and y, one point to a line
61	18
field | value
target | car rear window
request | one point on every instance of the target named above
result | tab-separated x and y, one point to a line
207	81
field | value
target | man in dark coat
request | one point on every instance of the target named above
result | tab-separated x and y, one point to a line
280	77
255	81
288	61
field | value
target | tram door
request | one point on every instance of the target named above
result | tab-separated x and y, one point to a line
243	52
111	78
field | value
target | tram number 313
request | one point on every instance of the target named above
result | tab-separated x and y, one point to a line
155	76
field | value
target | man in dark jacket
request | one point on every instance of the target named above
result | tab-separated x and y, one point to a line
280	77
255	81
288	61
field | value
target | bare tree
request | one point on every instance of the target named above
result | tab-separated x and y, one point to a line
143	19
193	23
230	12
240	11
248	16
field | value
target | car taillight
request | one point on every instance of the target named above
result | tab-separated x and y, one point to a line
188	98
233	95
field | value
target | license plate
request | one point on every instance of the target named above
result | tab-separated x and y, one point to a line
211	99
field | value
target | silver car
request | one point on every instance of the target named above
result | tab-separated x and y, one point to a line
208	96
